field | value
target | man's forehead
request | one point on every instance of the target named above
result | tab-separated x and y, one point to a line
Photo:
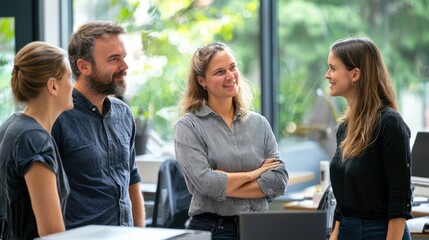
109	44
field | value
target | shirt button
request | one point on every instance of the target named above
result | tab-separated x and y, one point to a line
93	109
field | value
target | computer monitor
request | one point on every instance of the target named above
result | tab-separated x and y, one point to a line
279	225
420	165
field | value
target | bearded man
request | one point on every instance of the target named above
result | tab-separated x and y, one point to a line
96	138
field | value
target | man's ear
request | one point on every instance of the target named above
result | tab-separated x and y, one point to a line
84	66
52	87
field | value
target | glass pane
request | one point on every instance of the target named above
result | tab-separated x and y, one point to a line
306	31
7	53
161	37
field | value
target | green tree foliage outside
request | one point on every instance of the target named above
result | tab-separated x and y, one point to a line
306	30
170	31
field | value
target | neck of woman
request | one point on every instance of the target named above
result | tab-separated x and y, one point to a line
225	109
43	115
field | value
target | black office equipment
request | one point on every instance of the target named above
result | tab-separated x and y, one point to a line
420	164
172	198
328	204
280	225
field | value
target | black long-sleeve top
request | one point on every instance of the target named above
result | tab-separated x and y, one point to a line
376	184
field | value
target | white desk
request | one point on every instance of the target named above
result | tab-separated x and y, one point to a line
148	166
300	177
95	232
421	210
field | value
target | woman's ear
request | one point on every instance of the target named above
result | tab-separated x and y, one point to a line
51	86
356	75
202	81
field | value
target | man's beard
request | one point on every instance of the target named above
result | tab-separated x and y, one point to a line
97	83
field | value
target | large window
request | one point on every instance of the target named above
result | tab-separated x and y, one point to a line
306	31
163	34
7	52
161	37
19	25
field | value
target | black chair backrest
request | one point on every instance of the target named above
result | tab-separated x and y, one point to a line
172	197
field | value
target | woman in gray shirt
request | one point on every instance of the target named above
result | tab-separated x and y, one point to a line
228	153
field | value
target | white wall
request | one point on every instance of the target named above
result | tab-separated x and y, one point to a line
51	21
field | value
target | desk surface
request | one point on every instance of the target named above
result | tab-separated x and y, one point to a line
300	177
94	232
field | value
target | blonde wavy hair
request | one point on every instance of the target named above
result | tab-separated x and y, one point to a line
374	93
195	96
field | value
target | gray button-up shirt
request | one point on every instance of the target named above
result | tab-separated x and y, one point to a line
204	142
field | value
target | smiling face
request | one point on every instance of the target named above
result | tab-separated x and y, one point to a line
221	77
341	80
109	71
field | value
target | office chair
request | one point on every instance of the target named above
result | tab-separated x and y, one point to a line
172	198
328	204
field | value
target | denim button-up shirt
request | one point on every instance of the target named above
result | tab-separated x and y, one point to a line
99	159
204	142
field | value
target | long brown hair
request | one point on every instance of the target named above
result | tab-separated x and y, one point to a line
374	93
195	96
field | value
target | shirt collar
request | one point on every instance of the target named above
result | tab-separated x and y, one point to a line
79	97
206	110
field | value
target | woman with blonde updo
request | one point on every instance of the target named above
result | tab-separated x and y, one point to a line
33	184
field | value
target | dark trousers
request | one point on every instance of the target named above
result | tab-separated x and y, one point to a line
222	228
352	228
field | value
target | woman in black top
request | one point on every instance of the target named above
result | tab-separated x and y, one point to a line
370	171
33	184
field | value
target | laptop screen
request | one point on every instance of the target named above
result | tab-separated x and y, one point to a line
420	165
282	225
420	155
